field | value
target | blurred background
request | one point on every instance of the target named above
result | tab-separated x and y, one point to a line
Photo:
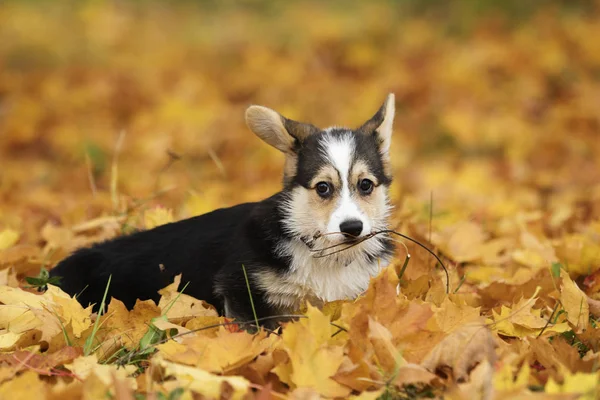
114	107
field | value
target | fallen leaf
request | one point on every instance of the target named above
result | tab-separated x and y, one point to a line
574	302
462	350
25	386
313	359
522	320
8	238
85	367
223	353
585	385
157	216
128	327
179	307
201	381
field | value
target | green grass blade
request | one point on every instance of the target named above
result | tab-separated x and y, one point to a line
250	295
87	348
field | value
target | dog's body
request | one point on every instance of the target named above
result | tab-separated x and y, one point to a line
335	191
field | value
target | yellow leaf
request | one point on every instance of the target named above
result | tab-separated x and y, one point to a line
179	307
463	241
574	302
128	327
450	316
312	359
70	310
83	367
586	385
16	296
57	236
25	386
48	313
523	320
581	253
505	381
223	353
157	216
388	356
203	382
202	323
461	350
8	238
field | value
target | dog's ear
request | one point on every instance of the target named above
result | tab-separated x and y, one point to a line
381	125
282	133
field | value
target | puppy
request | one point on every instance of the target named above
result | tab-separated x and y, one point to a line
301	244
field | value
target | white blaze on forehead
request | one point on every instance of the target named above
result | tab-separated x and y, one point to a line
339	150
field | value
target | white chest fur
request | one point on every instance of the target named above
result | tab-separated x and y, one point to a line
340	276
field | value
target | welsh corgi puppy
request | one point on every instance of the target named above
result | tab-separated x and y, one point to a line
335	192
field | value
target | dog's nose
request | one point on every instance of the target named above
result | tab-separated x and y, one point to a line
352	227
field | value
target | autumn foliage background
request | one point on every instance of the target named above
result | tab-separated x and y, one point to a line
117	115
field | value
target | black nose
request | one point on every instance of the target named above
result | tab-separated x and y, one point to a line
352	227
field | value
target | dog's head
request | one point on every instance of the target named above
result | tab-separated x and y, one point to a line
337	179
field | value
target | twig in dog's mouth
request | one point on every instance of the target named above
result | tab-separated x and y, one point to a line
358	241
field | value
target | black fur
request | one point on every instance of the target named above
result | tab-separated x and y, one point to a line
311	158
207	250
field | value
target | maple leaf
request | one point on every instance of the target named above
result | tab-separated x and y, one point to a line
223	353
157	216
201	381
128	327
396	328
8	238
464	348
560	358
462	242
26	386
506	381
585	385
450	316
574	302
523	320
581	252
179	307
86	366
479	385
313	358
69	310
23	314
40	363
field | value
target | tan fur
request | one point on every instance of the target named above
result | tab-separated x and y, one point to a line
285	294
372	204
308	208
289	166
270	126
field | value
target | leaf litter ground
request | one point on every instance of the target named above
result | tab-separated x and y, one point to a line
496	159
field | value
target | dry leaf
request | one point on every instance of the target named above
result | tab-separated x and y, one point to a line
201	381
461	351
574	302
8	238
179	307
313	359
223	353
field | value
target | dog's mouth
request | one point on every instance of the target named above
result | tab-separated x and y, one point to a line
350	240
336	238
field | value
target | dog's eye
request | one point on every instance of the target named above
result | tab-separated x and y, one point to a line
365	186
323	189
